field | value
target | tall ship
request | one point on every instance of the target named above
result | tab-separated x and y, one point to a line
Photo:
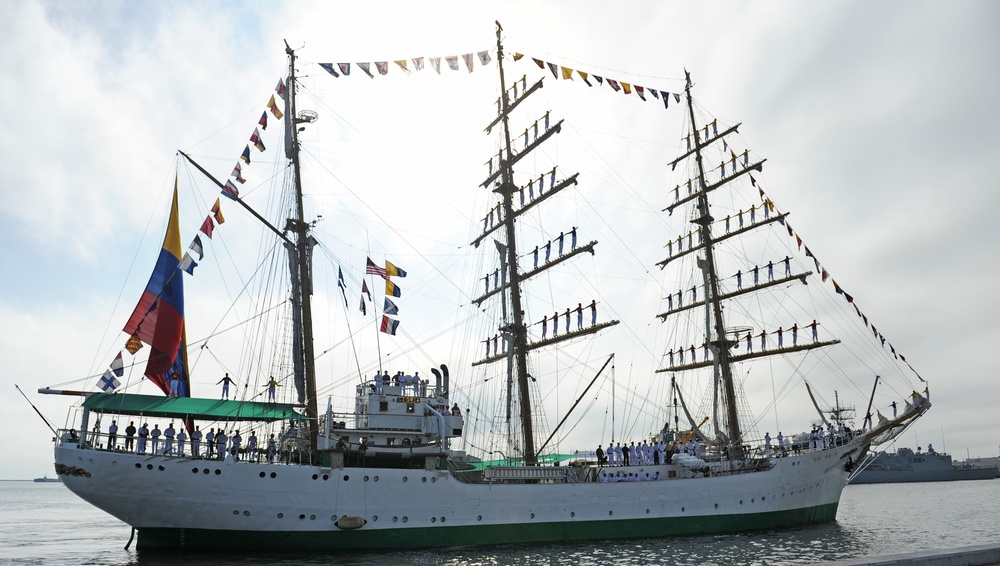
397	468
904	465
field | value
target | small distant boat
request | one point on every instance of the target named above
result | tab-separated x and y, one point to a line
47	479
905	465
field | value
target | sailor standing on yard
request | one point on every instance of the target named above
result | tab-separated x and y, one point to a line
225	381
271	384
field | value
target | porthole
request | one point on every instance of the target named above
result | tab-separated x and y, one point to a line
763	497
205	471
394	518
246	513
404	479
611	513
479	518
374	518
376	478
682	509
532	515
423	479
161	467
741	502
434	479
647	511
262	474
434	519
326	477
716	505
366	478
442	519
236	511
346	477
274	474
753	500
281	515
138	466
149	466
302	516
405	519
572	513
315	476
312	517
194	470
218	472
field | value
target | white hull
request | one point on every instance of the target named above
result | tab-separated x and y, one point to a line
177	494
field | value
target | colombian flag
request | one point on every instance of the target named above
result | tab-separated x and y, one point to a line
158	319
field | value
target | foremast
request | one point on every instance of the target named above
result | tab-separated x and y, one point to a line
514	328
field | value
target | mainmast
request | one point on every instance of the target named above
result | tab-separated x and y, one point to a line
300	255
501	181
719	344
517	331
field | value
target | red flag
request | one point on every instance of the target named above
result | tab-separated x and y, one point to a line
207	226
280	89
614	84
263	120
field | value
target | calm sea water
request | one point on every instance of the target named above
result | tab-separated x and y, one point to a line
46	524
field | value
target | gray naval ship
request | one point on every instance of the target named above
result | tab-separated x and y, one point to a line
905	465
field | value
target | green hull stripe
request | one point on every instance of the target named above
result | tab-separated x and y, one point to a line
423	537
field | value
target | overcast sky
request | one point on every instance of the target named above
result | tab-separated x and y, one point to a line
877	120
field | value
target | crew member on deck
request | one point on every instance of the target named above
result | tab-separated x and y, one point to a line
143	434
169	433
210	443
130	436
113	435
196	442
155	434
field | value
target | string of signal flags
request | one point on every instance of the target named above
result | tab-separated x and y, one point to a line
388	325
417	64
110	381
824	274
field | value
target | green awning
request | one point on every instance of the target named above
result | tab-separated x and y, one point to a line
183	407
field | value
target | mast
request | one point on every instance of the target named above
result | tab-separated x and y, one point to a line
720	344
301	253
501	181
517	330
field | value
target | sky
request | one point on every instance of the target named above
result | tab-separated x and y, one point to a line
876	120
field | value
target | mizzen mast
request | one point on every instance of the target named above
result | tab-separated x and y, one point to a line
300	255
